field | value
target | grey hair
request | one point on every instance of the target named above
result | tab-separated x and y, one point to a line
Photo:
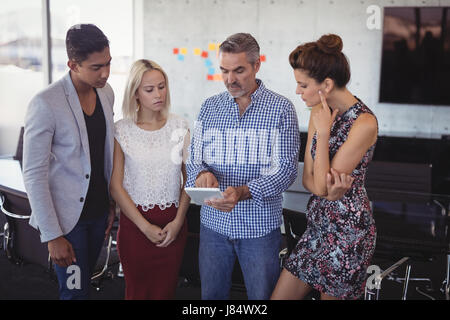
242	42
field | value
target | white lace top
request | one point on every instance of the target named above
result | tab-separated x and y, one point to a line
152	168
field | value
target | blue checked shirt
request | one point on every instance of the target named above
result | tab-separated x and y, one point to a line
258	148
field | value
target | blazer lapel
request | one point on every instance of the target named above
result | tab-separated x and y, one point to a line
74	103
107	106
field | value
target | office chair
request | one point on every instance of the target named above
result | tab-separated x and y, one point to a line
21	242
294	225
23	245
411	225
108	257
3	229
18	156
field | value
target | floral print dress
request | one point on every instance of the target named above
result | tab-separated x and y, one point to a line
333	254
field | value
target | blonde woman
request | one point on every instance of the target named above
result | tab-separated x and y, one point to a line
150	144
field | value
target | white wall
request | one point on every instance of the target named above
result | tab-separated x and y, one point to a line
279	26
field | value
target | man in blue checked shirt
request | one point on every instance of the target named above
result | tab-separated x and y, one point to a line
246	142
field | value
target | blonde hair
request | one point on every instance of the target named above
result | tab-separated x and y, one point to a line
129	105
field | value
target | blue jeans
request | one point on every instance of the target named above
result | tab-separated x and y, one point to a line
258	258
86	239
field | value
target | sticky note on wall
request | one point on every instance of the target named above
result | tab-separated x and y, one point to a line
197	51
211	46
183	51
208	63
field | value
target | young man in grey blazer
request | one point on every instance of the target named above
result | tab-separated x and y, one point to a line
67	163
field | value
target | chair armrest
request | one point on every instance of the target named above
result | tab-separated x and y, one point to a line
10	214
379	278
443	209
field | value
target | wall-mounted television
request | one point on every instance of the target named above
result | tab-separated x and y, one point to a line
415	66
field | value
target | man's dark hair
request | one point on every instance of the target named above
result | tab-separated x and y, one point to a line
84	39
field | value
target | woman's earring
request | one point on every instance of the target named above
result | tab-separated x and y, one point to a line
138	106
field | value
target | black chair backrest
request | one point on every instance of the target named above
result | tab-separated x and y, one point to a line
2	226
295	225
398	178
403	211
25	241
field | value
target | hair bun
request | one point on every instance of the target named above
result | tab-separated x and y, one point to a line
330	43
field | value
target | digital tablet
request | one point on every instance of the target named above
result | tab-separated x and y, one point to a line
199	195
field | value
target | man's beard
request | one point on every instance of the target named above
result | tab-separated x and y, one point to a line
236	89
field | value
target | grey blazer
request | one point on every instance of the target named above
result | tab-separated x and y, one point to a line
56	160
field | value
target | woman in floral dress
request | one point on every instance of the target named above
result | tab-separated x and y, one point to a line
334	252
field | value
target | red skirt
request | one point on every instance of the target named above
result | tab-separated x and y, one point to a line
150	272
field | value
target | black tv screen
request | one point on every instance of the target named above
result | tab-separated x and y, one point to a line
415	66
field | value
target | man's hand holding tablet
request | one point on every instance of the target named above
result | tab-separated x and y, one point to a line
230	196
201	195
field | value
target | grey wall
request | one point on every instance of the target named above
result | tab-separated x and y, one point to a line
279	26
